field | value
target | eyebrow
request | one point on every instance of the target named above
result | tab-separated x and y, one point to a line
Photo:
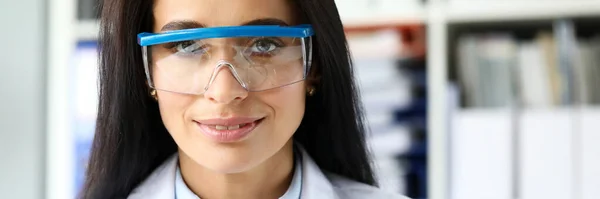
188	24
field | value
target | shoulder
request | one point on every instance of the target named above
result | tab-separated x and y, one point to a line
323	184
350	189
160	183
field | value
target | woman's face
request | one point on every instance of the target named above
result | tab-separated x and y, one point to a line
267	120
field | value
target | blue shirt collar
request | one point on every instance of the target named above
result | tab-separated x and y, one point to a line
182	191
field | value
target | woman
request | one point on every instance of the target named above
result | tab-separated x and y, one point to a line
227	99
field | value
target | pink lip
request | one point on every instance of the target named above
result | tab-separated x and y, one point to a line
207	127
228	121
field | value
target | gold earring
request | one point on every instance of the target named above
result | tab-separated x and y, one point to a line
153	94
311	91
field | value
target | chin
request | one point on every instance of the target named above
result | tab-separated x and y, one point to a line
229	160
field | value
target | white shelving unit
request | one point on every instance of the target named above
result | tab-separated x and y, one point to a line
438	15
467	11
556	153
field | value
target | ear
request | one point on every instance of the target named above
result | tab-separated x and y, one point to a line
314	76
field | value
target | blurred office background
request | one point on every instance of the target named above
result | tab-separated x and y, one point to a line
465	99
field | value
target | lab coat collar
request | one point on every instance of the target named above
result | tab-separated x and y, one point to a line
161	183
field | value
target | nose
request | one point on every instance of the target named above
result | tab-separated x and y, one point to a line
225	88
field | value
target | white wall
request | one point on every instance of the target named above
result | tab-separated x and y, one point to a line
22	98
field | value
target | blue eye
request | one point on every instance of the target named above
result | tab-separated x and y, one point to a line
263	46
187	47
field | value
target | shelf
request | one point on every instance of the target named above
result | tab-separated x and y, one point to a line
359	13
456	12
87	30
500	11
468	11
370	20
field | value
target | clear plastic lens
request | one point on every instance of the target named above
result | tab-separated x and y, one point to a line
258	63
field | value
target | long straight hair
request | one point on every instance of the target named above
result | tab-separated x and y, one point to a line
131	141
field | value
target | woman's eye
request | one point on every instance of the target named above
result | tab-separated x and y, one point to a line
264	46
188	47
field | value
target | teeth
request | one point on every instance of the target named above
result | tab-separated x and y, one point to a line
234	127
219	127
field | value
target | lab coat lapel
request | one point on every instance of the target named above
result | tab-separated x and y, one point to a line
315	185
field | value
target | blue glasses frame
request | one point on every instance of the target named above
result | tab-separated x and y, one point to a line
304	31
148	39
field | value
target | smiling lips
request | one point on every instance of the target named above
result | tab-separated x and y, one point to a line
228	130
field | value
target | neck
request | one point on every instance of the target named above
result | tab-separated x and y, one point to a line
269	179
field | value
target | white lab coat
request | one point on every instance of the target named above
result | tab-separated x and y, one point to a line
316	184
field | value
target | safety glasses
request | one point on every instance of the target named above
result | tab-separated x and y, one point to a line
259	57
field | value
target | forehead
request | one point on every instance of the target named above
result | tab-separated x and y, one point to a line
221	12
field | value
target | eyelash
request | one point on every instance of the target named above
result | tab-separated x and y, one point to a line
172	45
273	40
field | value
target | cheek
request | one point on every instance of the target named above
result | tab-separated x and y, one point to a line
288	106
172	110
